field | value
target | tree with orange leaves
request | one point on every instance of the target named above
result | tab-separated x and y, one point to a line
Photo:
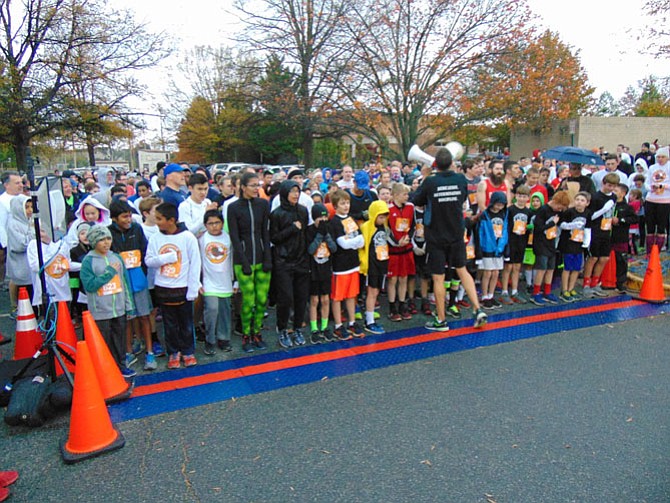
532	84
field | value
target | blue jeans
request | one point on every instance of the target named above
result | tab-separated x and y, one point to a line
217	316
178	328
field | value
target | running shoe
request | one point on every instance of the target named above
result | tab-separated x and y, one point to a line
437	325
454	312
174	361
538	300
150	362
285	339
481	318
375	328
189	360
356	330
551	298
298	338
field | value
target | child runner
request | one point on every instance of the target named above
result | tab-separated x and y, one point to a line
346	266
105	281
320	247
374	258
575	225
401	256
217	283
518	218
174	253
545	232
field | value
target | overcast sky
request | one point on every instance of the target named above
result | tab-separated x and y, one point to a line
604	32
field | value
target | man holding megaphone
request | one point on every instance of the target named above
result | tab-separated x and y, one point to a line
443	195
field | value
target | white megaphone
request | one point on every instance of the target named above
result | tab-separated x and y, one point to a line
418	155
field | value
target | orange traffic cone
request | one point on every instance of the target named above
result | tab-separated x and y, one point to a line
652	286
112	384
65	336
28	337
91	429
608	276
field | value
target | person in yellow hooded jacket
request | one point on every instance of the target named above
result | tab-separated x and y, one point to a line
374	259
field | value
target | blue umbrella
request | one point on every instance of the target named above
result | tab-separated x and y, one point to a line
573	154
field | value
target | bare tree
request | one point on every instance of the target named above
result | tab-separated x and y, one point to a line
657	34
309	36
408	59
53	49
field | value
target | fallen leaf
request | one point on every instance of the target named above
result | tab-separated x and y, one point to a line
325	451
629	420
426	462
432	447
515	446
568	446
324	378
256	458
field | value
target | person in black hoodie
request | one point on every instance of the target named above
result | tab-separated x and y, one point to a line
624	216
248	219
288	225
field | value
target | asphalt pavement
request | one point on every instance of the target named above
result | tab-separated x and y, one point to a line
572	416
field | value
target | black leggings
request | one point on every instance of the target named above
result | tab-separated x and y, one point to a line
656	216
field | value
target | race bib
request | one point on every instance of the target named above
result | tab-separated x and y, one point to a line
382	252
322	251
112	287
402	225
519	227
530	239
418	231
550	233
131	259
174	269
58	267
498	230
606	224
472	198
349	225
577	235
470	252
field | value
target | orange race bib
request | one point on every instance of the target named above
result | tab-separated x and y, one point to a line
472	198
418	231
606	224
470	252
577	235
519	227
58	267
402	225
349	225
498	230
530	239
131	259
174	269
322	251
112	287
550	233
382	252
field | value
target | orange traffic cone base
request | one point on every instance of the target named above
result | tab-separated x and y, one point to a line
652	287
124	395
71	457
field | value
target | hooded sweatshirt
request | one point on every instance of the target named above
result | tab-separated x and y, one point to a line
57	265
107	290
20	231
290	243
378	245
492	229
103	219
